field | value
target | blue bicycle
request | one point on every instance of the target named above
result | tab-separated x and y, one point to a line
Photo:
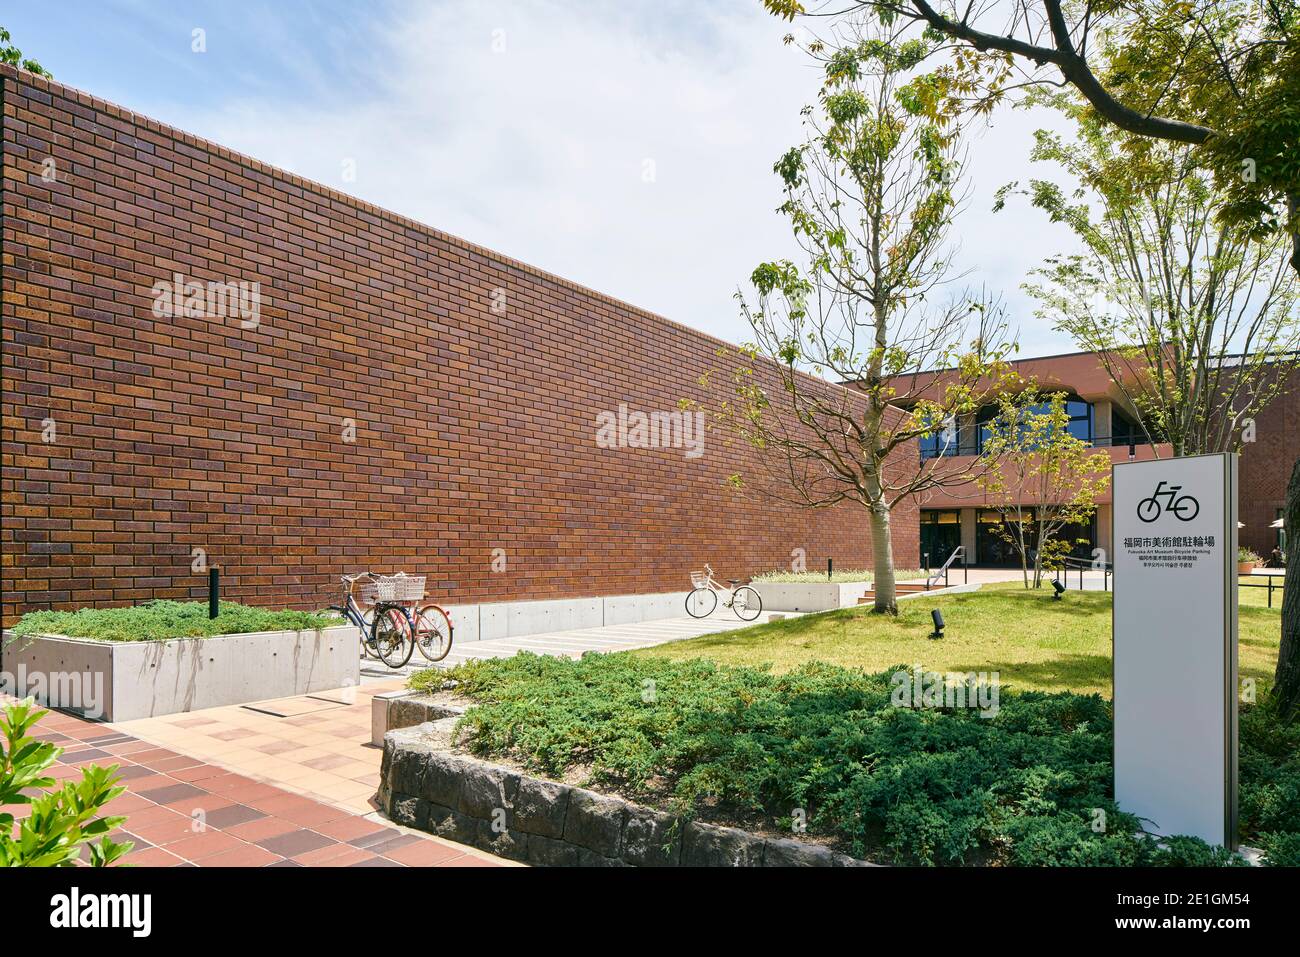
387	626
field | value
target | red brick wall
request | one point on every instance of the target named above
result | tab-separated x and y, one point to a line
1265	468
474	430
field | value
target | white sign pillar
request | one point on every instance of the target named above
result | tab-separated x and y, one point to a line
1174	629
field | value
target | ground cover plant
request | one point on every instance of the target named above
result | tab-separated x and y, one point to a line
1028	786
162	619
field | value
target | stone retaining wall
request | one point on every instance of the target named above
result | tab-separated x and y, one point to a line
542	822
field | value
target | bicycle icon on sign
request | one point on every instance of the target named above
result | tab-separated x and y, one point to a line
1183	507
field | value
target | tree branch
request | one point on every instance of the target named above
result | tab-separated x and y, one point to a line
1073	67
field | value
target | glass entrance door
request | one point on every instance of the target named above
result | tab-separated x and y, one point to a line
940	535
992	547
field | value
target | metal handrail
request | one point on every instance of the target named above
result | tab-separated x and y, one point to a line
1085	564
1280	585
958	552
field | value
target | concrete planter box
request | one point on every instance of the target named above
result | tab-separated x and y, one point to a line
810	596
550	824
124	680
516	619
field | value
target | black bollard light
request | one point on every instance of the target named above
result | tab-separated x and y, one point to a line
937	615
829	566
214	591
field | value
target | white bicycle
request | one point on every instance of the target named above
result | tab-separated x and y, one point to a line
703	597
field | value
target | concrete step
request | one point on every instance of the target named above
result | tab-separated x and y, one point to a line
901	588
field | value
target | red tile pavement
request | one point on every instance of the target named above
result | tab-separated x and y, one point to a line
180	812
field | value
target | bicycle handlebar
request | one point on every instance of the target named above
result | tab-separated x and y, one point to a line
351	580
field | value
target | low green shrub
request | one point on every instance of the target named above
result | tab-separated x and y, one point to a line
1029	786
162	619
1268	799
62	820
1281	848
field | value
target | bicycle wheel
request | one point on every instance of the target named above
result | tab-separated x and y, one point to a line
367	628
392	637
746	603
1149	510
701	602
432	632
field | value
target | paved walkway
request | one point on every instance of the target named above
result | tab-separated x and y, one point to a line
291	782
316	746
573	644
184	811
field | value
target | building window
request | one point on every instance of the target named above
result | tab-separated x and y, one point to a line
991	548
940	536
1124	431
1080	424
944	440
1080	413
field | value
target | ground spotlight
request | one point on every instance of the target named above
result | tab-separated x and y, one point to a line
938	624
1058	588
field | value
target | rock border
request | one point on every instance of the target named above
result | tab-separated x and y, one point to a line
547	823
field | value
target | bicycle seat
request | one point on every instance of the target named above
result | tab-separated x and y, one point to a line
733	581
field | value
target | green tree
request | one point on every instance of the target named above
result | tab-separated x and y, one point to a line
12	55
870	196
1221	75
1042	479
63	819
1195	318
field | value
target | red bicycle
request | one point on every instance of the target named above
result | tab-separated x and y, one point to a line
409	622
432	631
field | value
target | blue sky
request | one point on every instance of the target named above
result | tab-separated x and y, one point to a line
624	144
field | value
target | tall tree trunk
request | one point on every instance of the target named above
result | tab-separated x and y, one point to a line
1286	681
882	539
882	553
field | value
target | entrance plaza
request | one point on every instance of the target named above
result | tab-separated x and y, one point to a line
291	782
334	539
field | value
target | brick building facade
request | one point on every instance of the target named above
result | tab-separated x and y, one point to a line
1265	468
963	515
343	389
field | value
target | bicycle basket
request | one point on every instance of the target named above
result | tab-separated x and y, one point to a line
394	588
700	579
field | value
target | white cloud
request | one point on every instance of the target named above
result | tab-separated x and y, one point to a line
540	150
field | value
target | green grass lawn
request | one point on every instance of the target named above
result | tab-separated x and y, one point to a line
1035	643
